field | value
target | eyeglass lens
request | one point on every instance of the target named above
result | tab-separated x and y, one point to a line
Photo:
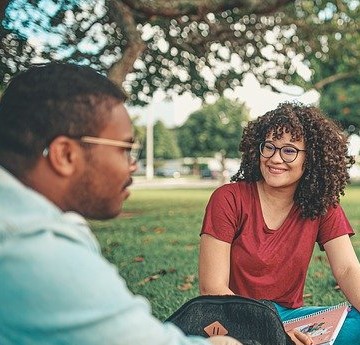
133	154
287	153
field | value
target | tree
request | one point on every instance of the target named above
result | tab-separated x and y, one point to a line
341	102
3	4
200	46
329	40
214	128
15	53
165	142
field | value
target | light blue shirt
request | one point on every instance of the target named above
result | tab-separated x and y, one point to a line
56	288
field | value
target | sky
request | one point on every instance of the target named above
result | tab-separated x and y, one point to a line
257	98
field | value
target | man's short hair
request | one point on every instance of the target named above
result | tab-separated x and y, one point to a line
49	100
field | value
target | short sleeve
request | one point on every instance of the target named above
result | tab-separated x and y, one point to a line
332	225
221	219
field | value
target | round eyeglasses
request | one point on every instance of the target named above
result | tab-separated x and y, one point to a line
287	153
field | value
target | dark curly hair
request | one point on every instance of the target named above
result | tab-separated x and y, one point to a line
49	100
327	161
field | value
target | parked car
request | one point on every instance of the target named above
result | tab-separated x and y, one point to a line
167	172
171	168
207	173
213	169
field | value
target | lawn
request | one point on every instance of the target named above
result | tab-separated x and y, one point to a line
154	244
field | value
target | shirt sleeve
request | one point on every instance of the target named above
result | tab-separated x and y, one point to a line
221	219
332	225
56	291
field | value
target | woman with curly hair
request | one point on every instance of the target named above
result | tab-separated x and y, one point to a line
259	233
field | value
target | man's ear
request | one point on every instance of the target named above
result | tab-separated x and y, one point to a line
64	155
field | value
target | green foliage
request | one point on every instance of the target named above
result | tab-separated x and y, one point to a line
341	102
155	242
329	39
182	46
165	142
66	30
139	131
213	128
15	53
327	35
174	42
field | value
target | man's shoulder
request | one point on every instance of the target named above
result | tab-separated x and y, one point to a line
26	214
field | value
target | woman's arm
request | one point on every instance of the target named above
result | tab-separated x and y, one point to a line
214	266
345	267
214	271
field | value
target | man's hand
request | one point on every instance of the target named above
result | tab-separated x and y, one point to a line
223	340
300	338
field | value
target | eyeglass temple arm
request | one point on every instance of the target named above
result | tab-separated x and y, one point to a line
93	140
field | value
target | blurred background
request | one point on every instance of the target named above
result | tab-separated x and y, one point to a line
197	71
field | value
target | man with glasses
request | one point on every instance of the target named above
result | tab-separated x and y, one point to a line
67	153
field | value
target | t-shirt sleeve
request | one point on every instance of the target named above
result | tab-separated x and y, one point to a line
221	219
332	225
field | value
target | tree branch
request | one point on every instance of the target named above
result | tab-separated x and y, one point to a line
3	5
123	13
178	8
333	78
123	16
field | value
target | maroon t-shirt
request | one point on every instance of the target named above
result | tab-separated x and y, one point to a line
268	264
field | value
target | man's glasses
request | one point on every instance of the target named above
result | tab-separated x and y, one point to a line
133	149
287	153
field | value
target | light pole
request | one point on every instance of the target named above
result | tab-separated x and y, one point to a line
150	146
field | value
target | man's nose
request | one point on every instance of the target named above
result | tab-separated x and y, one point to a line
133	166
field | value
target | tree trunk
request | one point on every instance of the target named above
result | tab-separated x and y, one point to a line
123	16
3	5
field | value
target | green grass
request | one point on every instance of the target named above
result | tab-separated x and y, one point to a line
155	242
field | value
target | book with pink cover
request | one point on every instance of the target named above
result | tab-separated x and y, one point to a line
323	326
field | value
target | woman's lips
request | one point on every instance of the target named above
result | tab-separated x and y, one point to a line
274	170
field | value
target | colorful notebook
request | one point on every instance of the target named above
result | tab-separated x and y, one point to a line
323	326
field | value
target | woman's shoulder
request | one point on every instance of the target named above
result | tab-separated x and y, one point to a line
333	213
236	189
239	186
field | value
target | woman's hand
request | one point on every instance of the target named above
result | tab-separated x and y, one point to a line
297	337
300	338
223	340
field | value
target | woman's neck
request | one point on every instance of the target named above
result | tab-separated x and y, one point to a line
277	196
276	204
